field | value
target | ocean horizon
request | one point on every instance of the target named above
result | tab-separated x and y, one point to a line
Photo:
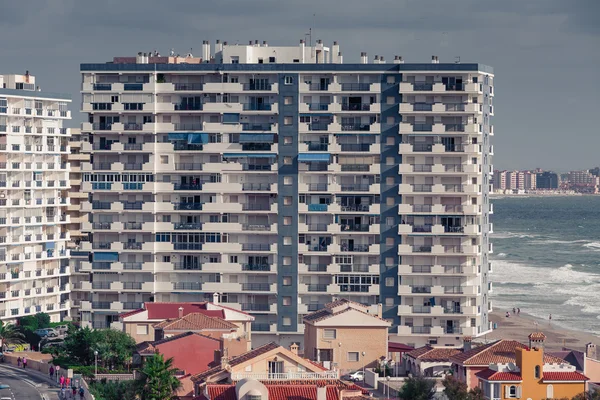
547	258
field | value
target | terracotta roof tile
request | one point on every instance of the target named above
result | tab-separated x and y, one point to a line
499	352
429	353
196	322
150	347
171	310
491	375
564	376
398	348
237	360
537	336
221	392
326	313
280	391
130	313
340	302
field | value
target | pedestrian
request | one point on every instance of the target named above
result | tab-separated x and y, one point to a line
550	317
507	314
67	382
518	311
24	362
514	310
62	381
51	371
81	393
74	391
19	362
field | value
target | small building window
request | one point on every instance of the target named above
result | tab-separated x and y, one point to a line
353	356
142	329
253	397
536	372
287	321
329	334
289	80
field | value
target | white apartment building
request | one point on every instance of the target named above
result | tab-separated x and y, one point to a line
281	178
34	186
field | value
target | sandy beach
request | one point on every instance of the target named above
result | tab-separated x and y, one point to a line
518	327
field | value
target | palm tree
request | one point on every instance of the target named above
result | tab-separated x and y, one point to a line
10	334
158	380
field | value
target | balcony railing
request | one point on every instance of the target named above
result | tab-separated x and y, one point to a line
317	267
187	226
132	246
257	327
188	127
420	289
421	329
421	309
356	87
101	265
187	286
255	307
132	285
184	186
100	285
101	305
257	86
188	166
255	247
132	265
187	246
317	287
188	86
256	186
256	227
187	206
453	289
186	266
132	305
260	287
256	127
422	86
256	267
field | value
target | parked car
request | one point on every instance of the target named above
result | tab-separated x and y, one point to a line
357	376
46	332
62	329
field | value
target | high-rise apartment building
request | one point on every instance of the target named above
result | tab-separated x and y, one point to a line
280	179
34	186
547	180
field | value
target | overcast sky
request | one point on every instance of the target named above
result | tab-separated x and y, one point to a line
545	53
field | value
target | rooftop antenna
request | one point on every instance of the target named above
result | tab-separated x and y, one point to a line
172	53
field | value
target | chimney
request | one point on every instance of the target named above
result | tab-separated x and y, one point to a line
294	348
590	351
302	44
218	46
180	312
249	42
379	310
205	51
256	44
322	393
216	298
381	61
335	53
398	60
265	44
467	342
537	340
433	60
376	60
340	58
363	58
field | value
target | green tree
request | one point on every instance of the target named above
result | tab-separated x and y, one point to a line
113	390
476	394
417	388
591	395
455	389
43	320
79	346
9	334
114	348
158	380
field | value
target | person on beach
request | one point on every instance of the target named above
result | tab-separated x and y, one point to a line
514	310
518	311
62	381
550	318
24	362
507	314
19	362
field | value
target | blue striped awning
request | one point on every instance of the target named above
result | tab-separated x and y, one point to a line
108	256
309	157
178	136
244	138
195	138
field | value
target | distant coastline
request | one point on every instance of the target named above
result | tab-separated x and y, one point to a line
546	193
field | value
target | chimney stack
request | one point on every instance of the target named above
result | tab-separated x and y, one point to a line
590	351
256	44
216	298
467	343
302	45
363	58
322	393
294	348
435	60
335	53
376	60
265	43
218	46
340	58
180	312
537	340
398	60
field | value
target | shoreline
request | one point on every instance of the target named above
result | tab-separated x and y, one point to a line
501	195
518	327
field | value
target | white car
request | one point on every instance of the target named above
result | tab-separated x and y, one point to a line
357	376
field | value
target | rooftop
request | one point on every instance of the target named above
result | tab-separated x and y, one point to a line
339	307
196	322
149	348
433	354
491	375
499	352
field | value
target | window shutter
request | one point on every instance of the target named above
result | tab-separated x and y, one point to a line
518	392
507	392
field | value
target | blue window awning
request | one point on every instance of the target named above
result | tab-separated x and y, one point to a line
50	245
195	138
231	118
318	157
249	155
256	138
109	256
178	136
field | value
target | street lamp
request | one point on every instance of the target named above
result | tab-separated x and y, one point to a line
363	362
96	362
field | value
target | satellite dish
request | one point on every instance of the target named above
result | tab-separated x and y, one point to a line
512	367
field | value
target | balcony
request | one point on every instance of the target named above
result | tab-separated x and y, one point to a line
258	327
187	87
188	166
356	87
421	289
189	127
317	287
186	266
256	187
187	206
256	267
255	307
183	186
187	226
187	286
420	329
256	287
255	247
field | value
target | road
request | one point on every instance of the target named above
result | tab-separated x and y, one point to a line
25	385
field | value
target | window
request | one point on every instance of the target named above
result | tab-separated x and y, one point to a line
390	201
166	259
389	281
550	391
329	334
391	79
141	329
389	140
287	240
288	80
287	180
287	300
389	161
389	261
473	322
271	59
287	160
233	259
287	321
353	356
389	180
166	218
287	220
287	200
288	120
287	100
287	281
235	59
389	241
287	260
390	100
536	372
164	159
288	140
389	301
512	392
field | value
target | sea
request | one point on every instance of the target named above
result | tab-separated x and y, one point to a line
547	258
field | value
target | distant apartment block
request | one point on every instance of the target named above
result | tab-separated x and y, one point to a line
583	178
280	179
547	180
34	197
514	180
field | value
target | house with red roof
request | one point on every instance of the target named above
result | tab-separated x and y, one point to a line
140	323
429	360
472	360
529	376
345	336
587	362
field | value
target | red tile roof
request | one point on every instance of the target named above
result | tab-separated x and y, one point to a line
564	376
171	310
398	348
328	312
491	375
282	391
499	352
196	322
433	354
130	313
537	336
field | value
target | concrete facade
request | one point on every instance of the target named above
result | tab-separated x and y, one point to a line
279	179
